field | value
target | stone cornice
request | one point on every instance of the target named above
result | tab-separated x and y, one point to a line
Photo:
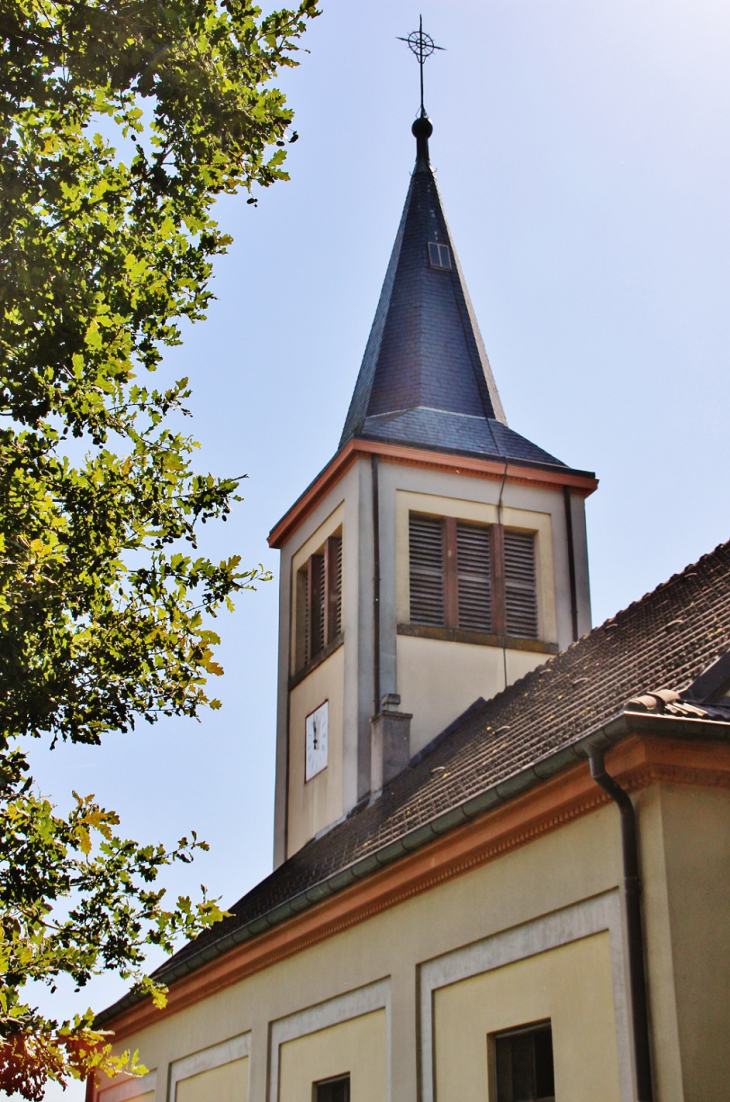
517	473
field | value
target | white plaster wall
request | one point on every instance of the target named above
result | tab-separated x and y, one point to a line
342	504
316	803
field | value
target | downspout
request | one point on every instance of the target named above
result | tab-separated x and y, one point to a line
571	560
634	930
376	586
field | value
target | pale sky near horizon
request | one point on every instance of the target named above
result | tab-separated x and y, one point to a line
583	159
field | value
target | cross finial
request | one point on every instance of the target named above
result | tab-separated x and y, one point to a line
422	46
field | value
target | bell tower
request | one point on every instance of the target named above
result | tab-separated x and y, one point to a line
438	557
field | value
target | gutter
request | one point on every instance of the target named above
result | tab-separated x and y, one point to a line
595	741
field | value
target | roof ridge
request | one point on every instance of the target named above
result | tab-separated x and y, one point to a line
723	545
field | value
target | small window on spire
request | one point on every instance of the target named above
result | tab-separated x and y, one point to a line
439	256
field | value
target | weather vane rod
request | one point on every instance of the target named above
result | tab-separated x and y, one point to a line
422	46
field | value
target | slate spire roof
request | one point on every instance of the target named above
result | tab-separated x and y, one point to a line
425	379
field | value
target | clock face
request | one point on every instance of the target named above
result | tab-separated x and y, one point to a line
316	741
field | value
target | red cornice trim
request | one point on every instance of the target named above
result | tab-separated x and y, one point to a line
417	457
636	763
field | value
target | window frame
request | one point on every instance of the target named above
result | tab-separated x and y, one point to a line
309	650
438	246
528	1029
330	1081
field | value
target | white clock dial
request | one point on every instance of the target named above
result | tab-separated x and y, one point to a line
316	741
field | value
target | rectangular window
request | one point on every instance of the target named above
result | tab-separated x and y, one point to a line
439	256
320	591
524	1064
473	577
333	1090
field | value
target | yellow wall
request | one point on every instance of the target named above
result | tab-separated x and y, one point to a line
227	1083
430	669
686	852
570	985
552	871
358	1046
316	803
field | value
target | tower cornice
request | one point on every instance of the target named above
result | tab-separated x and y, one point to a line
511	470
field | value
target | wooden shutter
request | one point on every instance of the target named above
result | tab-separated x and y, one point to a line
315	608
520	584
333	586
306	648
426	545
474	568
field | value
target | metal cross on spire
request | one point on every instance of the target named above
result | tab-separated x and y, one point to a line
422	46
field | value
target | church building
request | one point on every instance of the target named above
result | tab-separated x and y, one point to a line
502	839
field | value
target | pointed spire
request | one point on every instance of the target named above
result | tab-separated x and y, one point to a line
425	379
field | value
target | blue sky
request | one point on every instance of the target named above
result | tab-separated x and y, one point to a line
583	158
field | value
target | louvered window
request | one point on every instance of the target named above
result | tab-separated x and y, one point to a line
336	588
426	539
314	607
520	584
472	577
474	568
320	589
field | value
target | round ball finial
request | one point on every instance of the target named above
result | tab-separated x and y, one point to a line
422	127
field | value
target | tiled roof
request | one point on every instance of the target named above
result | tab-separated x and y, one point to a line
425	379
652	650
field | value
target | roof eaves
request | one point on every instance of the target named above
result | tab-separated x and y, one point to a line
513	461
600	737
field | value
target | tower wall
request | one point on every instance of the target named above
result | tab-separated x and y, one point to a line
438	673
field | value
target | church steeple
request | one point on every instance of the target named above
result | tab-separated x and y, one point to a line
438	556
425	378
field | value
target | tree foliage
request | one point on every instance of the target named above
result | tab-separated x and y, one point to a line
121	122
